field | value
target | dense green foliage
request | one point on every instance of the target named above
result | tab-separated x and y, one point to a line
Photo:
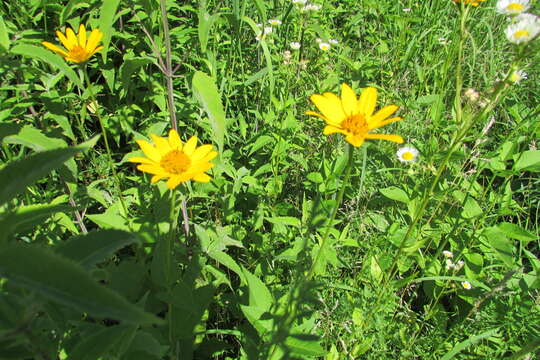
436	258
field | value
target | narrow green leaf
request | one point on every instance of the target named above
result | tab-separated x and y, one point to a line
48	57
206	92
107	13
71	6
17	175
470	341
285	220
65	282
96	246
4	36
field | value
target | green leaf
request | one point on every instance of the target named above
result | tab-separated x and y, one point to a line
471	209
17	175
528	161
284	220
395	193
107	13
206	21
470	341
99	343
4	36
259	295
503	247
48	57
34	139
96	246
206	92
516	232
65	282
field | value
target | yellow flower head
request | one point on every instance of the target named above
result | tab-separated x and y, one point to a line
170	158
354	117
469	2
78	48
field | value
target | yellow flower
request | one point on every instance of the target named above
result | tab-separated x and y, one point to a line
469	2
354	117
78	48
171	159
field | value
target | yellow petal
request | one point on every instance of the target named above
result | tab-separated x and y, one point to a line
385	122
209	156
71	38
152	169
95	51
395	138
149	150
140	159
190	145
201	168
162	145
95	37
63	39
200	152
54	48
348	99
313	113
174	140
156	178
330	129
329	107
382	114
367	102
202	178
355	141
82	36
174	181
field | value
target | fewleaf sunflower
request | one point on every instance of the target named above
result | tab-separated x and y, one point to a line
78	48
170	159
354	117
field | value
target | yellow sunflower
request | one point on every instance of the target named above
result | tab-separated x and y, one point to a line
354	117
170	158
78	48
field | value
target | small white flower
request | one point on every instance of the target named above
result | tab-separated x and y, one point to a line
518	75
311	7
268	29
466	285
407	154
512	7
299	2
449	264
274	22
318	40
295	45
407	10
459	265
324	46
333	41
443	41
448	254
525	29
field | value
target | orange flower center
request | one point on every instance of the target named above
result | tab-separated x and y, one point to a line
78	53
355	124
175	162
521	33
515	7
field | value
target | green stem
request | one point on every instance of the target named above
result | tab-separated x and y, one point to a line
106	140
168	264
334	212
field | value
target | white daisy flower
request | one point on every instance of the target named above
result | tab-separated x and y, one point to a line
407	154
274	22
295	45
517	76
512	7
324	46
311	7
407	10
333	41
525	29
448	254
449	264
268	29
466	285
459	265
299	2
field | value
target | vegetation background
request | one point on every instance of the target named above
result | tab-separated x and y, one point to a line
436	258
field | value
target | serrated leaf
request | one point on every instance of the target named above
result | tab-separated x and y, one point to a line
206	92
17	175
96	246
65	282
48	57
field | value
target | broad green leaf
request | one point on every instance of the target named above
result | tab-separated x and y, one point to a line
96	246
99	343
48	57
503	247
34	139
206	92
304	345
284	220
65	282
107	12
17	175
516	232
4	36
528	161
471	209
259	295
395	193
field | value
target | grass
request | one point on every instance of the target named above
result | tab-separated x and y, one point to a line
228	269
